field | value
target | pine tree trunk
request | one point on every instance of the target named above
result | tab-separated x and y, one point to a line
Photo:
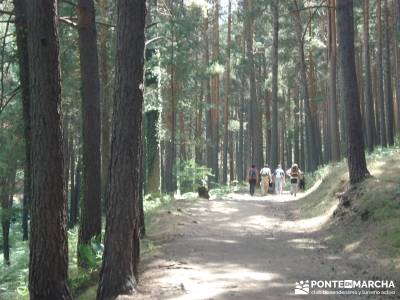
326	137
227	95
369	105
248	36
207	88
342	115
259	126
170	120
289	138
199	149
359	74
182	137
397	56
296	131
74	208
376	104
90	220
105	95
7	187
388	78
152	177
119	269
215	96
314	109
302	160
356	156
66	153
23	62
282	131
140	229
71	224
333	115
267	111
240	156
231	157
274	143
312	155
379	66
71	165
48	264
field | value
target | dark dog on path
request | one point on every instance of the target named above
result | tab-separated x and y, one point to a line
302	184
203	192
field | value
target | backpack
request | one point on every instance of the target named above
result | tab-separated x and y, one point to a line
279	173
294	172
252	174
265	172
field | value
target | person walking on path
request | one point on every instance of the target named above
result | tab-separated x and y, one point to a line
265	179
279	179
252	178
294	173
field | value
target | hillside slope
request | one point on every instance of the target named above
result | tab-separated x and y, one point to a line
365	223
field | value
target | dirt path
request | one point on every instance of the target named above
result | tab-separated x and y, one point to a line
237	247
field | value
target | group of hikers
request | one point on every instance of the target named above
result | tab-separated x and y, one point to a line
275	179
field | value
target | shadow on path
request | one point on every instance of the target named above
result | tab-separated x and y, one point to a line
239	247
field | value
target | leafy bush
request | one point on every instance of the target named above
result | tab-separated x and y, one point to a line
191	175
92	253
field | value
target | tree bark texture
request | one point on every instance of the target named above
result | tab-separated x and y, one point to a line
215	96
333	115
227	146
369	104
356	155
90	219
121	253
21	27
311	153
388	78
379	67
7	187
274	154
105	95
48	261
397	55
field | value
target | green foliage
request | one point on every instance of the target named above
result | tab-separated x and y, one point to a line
14	278
191	175
78	281
154	201
380	205
91	253
79	278
222	190
216	68
312	178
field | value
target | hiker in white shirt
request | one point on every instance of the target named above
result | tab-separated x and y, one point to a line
265	179
279	180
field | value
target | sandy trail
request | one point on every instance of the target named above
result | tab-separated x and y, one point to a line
238	247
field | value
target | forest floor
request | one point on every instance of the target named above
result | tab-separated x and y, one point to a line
237	247
241	247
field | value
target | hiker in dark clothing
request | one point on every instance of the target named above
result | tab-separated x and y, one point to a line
252	178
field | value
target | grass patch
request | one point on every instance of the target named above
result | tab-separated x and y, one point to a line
221	190
371	223
317	202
